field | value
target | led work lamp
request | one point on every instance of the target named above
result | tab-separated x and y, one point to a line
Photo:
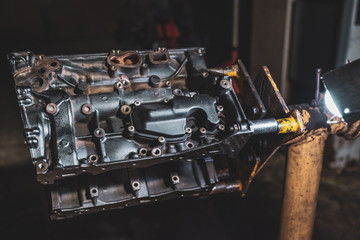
342	91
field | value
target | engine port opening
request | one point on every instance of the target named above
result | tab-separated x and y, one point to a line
159	57
127	59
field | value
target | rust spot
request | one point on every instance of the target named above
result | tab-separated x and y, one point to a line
305	116
267	72
254	169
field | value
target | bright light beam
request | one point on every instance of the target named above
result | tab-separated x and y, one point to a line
330	104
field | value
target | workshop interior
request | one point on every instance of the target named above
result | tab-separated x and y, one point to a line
169	119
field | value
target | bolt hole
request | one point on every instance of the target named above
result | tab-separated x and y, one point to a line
177	92
188	130
118	85
125	109
225	84
93	158
136	185
190	145
220	108
54	64
99	132
87	109
143	152
125	83
175	178
156	152
94	190
222	127
51	108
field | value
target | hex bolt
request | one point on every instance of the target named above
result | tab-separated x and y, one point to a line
87	109
51	108
188	130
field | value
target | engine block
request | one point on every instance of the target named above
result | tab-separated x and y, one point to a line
128	127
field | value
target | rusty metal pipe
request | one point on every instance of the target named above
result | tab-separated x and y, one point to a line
302	180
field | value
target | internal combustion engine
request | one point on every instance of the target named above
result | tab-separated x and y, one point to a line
126	128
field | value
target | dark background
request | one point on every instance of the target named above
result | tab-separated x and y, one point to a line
68	27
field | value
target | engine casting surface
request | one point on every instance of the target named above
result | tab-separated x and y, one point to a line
129	127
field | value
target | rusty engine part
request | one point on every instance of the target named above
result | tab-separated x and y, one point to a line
120	129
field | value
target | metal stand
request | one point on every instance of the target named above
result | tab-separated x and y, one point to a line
301	186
